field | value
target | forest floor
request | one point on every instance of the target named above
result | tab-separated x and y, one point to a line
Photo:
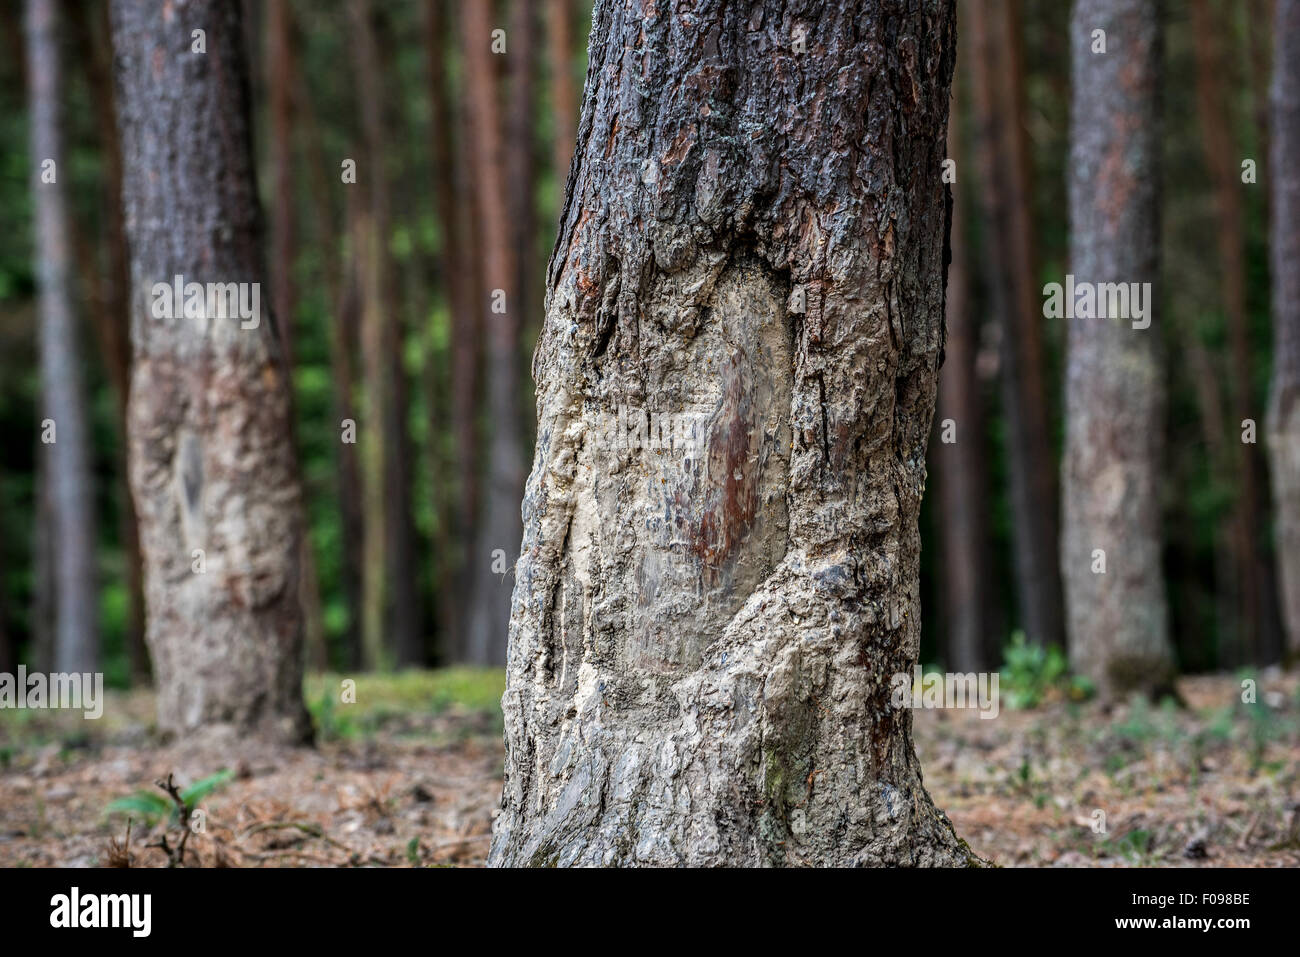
411	775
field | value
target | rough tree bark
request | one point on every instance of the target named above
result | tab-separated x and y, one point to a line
63	394
1118	619
703	634
499	526
1284	398
1001	147
212	463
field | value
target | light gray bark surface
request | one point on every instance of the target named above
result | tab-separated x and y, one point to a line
212	465
1114	393
1284	246
702	637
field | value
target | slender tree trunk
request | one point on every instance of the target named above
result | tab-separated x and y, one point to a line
1257	640
392	631
459	269
1284	397
344	300
997	76
112	311
72	509
211	451
521	171
282	66
8	646
41	655
564	94
500	299
1118	618
705	631
1259	24
958	463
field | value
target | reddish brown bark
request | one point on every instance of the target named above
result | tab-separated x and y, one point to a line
499	299
1256	639
1002	154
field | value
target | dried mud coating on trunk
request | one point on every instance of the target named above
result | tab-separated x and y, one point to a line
701	643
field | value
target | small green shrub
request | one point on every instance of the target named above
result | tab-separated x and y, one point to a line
152	806
1030	672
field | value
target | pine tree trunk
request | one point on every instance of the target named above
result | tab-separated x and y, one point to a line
392	633
498	528
212	462
340	280
63	395
564	97
703	637
959	465
281	68
1284	398
521	172
997	87
1256	639
459	268
1118	618
111	310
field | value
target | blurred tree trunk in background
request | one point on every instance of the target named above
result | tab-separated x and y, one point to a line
1259	25
8	648
339	277
492	560
211	433
521	175
460	272
1118	618
111	309
960	466
1257	640
1284	398
391	629
63	394
43	586
997	80
564	93
282	67
725	618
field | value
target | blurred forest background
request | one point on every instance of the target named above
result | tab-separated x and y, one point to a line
388	85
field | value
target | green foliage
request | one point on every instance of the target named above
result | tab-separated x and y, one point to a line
1030	672
381	698
331	724
153	806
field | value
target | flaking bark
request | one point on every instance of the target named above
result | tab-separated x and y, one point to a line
702	638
